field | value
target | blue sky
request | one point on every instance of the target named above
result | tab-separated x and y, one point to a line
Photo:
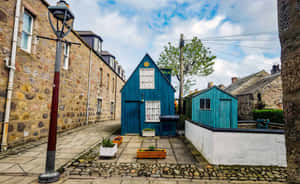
131	28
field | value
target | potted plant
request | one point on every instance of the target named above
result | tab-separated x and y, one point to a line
148	132
151	152
108	148
118	140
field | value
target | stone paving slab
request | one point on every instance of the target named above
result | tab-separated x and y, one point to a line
32	161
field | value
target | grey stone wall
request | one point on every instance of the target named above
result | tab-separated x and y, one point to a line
31	100
289	30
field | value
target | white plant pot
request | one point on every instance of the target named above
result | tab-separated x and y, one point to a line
148	133
108	152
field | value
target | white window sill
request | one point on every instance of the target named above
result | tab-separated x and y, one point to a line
152	121
27	51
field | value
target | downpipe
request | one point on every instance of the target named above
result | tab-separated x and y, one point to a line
12	69
89	88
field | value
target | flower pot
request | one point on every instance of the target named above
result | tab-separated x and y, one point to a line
149	133
118	140
108	151
157	153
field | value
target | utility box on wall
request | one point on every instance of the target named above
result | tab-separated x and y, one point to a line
146	96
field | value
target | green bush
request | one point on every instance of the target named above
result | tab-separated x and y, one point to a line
274	115
151	148
149	129
106	142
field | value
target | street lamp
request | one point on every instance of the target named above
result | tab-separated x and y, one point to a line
64	24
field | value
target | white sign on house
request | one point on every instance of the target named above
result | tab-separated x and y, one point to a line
147	78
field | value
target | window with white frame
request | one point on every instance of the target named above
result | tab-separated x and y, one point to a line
66	56
27	31
99	106
147	78
152	111
97	45
112	62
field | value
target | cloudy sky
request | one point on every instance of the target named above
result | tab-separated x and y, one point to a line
131	28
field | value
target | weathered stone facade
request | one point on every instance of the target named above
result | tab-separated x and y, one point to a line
254	89
270	95
289	30
31	101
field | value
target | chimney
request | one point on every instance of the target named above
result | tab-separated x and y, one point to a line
221	86
210	85
234	79
167	73
275	69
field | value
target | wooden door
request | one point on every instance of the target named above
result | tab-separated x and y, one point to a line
132	113
225	114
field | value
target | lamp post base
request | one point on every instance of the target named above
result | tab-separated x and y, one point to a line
49	177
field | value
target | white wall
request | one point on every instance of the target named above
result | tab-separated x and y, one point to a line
238	148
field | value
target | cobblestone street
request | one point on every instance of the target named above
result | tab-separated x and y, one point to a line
32	161
180	163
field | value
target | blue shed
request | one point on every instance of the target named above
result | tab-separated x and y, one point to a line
215	108
147	95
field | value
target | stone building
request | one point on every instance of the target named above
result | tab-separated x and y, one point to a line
34	69
289	32
259	90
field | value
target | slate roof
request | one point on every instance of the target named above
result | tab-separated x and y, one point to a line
106	53
89	33
207	89
260	84
246	82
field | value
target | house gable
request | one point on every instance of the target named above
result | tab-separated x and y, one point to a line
146	62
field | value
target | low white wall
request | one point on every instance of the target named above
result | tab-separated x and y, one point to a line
238	148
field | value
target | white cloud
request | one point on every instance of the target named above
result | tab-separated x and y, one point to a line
225	70
129	37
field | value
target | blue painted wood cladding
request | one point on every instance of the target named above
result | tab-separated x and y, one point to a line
134	100
222	112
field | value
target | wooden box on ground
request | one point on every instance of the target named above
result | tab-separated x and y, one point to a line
157	153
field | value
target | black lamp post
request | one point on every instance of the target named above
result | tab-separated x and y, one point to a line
64	24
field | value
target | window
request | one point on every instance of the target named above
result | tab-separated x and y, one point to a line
152	111
27	31
204	104
111	62
101	76
112	107
107	81
99	106
147	78
97	45
66	56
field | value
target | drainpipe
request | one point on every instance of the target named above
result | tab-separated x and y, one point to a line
12	69
89	86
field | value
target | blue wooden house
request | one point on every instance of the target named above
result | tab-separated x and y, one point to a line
146	97
215	108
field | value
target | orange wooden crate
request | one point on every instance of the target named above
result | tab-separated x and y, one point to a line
162	153
118	140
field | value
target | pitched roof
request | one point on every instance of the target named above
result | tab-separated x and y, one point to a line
243	83
89	33
147	55
260	84
208	89
106	53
